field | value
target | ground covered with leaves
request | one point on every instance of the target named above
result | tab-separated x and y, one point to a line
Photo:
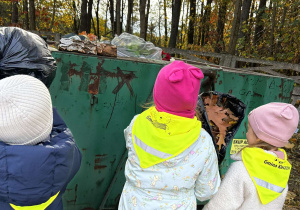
292	201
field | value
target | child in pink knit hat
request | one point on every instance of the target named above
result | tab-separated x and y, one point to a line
171	159
259	177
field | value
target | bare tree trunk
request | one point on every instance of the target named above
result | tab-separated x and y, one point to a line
89	16
259	22
75	28
97	18
244	17
122	16
192	21
142	19
151	29
280	31
106	11
112	18
32	14
244	27
130	9
248	34
235	27
176	5
166	27
147	18
201	21
220	27
118	16
159	20
186	21
15	12
271	51
83	16
182	26
53	14
25	10
93	24
206	22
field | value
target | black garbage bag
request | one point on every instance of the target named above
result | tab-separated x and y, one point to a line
221	115
23	52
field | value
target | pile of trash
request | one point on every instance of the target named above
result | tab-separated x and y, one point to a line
23	52
125	45
86	43
132	46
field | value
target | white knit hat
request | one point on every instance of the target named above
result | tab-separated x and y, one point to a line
25	110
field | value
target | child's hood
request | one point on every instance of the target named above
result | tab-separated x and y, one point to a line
30	175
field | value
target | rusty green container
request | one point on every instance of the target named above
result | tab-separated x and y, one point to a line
98	96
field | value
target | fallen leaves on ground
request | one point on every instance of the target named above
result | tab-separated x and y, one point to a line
293	197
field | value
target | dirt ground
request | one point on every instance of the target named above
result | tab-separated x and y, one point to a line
292	201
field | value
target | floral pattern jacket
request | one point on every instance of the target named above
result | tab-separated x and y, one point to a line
174	183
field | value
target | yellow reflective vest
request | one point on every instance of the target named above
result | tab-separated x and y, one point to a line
159	136
35	207
269	173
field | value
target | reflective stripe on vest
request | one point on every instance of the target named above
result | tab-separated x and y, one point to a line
268	185
269	173
150	150
35	207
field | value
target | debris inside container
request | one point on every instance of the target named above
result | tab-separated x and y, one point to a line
221	119
221	115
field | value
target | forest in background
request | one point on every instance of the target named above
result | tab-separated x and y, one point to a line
265	29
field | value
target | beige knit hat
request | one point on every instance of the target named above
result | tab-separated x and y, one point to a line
25	110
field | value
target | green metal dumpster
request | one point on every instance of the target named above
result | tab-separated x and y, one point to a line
98	96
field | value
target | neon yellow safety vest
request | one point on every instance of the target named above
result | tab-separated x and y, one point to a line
270	174
159	136
35	207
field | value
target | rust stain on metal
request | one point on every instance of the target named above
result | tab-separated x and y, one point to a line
83	149
97	167
257	95
98	160
230	91
94	82
125	78
104	155
73	71
220	82
58	59
75	198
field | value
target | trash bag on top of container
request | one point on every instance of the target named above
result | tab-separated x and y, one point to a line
221	116
129	45
23	52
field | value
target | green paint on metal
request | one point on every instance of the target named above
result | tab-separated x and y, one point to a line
98	96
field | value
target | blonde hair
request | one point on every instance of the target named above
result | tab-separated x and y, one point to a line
263	145
147	105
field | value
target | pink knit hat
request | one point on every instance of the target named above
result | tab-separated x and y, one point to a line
176	89
274	123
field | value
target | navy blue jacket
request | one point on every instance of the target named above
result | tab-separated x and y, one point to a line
30	175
